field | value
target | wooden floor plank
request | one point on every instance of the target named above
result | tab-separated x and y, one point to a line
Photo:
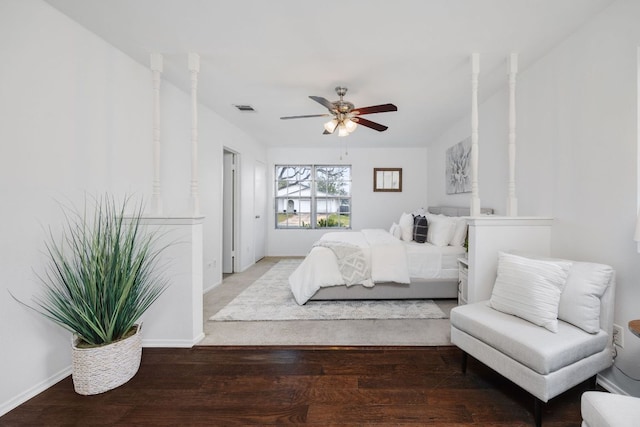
229	386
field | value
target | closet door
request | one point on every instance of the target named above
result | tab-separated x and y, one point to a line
260	209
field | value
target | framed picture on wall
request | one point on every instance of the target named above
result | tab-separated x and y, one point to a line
387	179
458	168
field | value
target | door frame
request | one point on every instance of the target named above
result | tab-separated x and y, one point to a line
235	210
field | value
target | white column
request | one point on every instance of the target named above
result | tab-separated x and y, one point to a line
512	201
156	195
194	67
475	197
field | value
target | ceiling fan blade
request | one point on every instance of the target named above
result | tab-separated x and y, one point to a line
323	101
304	117
370	124
326	132
383	108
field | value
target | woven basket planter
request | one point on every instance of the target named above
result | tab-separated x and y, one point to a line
100	369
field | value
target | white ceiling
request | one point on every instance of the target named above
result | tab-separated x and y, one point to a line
274	54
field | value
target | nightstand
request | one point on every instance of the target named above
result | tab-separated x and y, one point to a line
463	280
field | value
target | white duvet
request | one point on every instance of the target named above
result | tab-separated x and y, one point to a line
385	253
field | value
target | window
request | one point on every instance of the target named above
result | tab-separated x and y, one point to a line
313	196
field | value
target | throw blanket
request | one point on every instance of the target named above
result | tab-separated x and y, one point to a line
384	253
352	263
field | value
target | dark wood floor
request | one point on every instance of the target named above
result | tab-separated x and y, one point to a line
214	386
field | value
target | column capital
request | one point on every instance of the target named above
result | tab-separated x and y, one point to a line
194	62
156	62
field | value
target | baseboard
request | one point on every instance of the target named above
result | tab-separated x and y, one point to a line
215	285
246	267
610	386
34	391
198	338
173	343
616	381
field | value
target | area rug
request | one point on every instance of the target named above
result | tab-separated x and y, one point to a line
270	298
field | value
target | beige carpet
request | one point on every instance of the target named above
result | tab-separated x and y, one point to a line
411	332
269	298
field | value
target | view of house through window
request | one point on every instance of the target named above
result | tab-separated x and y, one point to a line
313	196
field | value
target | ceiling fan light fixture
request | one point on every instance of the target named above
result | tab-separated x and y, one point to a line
330	126
350	125
342	130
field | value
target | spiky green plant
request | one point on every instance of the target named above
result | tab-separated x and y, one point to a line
102	274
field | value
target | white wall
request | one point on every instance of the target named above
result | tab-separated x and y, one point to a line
577	156
67	105
492	172
369	209
77	118
214	135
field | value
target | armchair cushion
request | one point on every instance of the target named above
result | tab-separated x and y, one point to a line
534	347
530	288
580	299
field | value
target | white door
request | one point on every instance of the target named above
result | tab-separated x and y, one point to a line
228	212
260	209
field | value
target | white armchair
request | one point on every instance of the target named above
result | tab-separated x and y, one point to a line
601	409
547	327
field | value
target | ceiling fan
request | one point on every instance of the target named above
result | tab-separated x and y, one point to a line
345	116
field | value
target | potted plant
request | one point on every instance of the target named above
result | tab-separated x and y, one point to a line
101	277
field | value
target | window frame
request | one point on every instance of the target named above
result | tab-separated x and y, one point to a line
313	199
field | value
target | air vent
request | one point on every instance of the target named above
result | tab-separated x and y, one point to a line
244	108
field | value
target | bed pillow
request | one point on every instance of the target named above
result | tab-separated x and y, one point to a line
406	227
460	232
420	227
395	231
530	288
580	300
440	230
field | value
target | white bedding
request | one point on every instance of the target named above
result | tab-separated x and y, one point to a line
391	260
427	261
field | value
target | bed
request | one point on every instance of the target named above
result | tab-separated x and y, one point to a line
398	269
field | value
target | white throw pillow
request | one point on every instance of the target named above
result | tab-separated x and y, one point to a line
440	230
460	232
395	231
580	300
406	226
530	288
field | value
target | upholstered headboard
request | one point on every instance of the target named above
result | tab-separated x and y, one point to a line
457	211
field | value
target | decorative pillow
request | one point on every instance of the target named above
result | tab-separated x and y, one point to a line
406	226
420	227
440	230
530	288
580	300
460	232
395	231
